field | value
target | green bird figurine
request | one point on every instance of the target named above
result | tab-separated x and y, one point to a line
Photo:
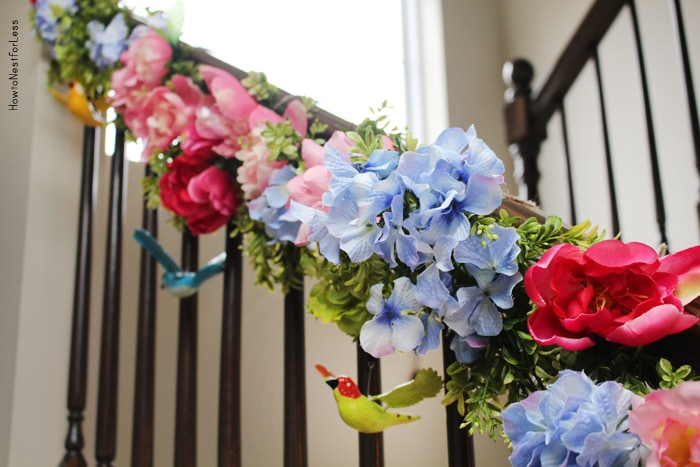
359	411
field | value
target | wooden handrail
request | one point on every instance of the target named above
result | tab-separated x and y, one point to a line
580	49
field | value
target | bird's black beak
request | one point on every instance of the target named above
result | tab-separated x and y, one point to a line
332	382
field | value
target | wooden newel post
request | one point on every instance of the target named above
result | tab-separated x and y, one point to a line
522	133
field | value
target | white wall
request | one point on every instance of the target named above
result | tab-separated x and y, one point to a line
38	170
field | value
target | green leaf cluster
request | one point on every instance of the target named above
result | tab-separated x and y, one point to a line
274	263
341	293
670	377
282	140
259	87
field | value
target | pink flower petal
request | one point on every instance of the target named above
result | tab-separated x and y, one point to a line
656	323
686	265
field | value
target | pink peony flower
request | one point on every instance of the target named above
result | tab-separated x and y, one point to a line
668	421
254	173
144	68
622	292
159	118
231	97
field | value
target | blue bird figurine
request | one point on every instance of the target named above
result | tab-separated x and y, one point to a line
178	282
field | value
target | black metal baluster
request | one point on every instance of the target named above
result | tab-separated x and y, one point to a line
106	439
612	190
144	381
186	393
369	380
295	454
689	84
229	444
653	154
567	156
77	372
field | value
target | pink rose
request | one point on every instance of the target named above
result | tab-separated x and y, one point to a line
668	421
144	68
173	184
201	193
159	118
622	292
216	187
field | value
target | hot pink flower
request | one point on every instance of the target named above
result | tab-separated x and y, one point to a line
144	68
214	190
159	118
173	184
622	292
668	421
204	195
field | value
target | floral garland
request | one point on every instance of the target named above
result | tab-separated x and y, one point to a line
407	245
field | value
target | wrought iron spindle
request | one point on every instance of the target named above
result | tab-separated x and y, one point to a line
106	429
567	160
612	190
689	84
77	372
651	135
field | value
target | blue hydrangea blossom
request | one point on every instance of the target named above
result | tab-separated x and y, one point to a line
107	43
574	423
395	325
46	22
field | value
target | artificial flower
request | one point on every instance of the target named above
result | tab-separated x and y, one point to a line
621	292
668	421
158	119
46	22
216	193
573	422
395	325
173	184
144	67
107	43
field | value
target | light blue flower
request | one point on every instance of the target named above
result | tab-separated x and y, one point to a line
498	255
270	208
395	325
573	423
431	338
107	43
47	14
451	180
467	348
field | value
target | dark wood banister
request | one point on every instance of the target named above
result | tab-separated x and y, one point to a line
528	111
572	60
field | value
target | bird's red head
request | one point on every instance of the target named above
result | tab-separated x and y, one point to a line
346	386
